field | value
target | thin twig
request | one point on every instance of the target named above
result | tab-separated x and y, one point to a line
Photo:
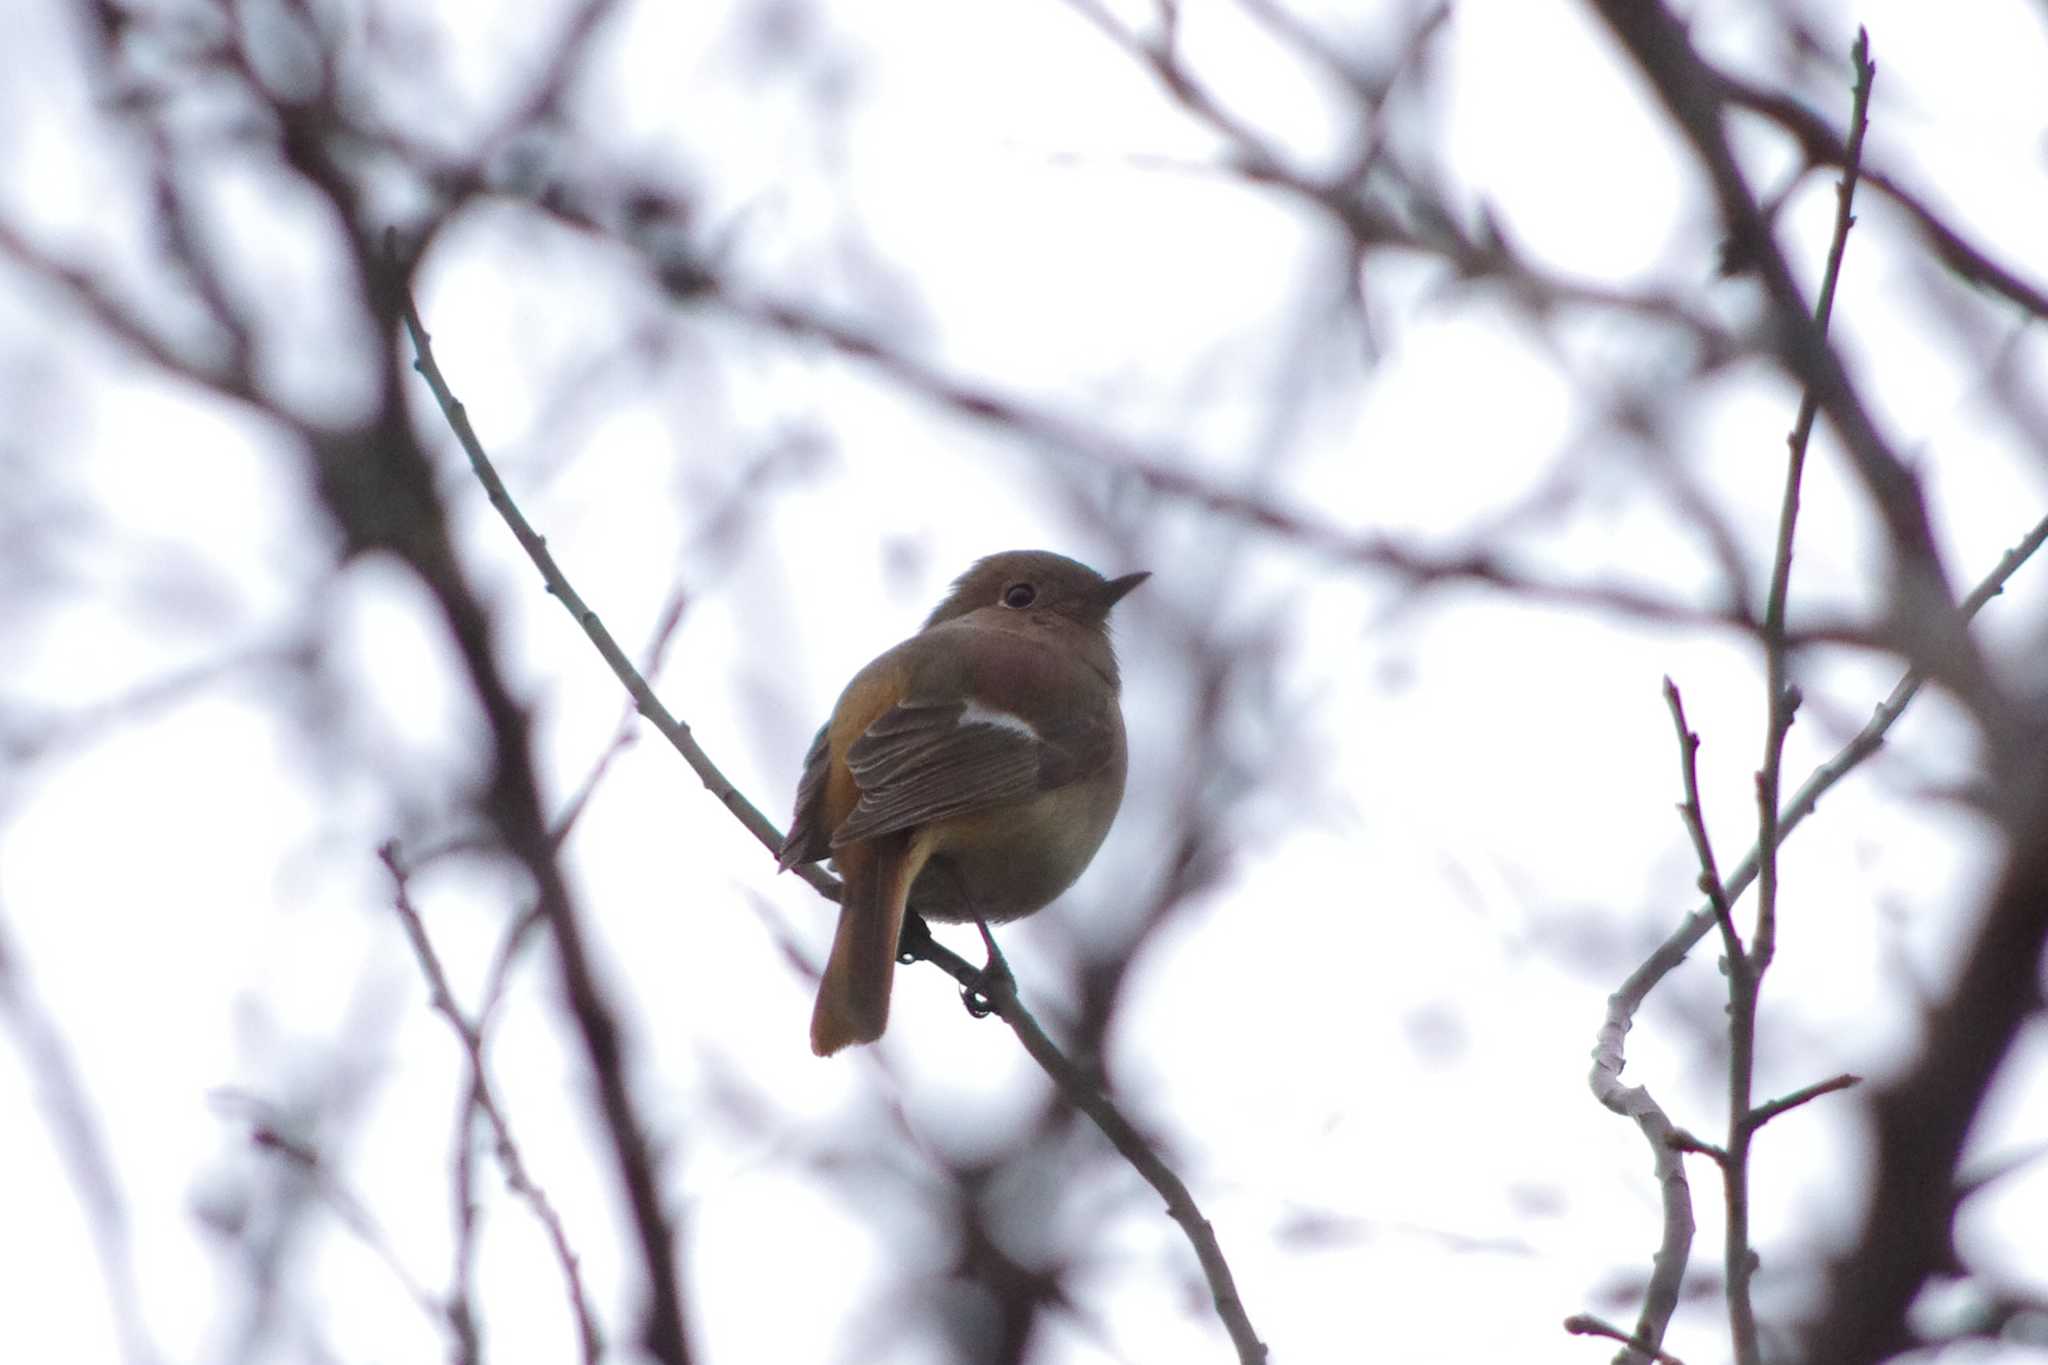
1745	975
270	1132
579	800
1781	700
80	1140
1586	1325
558	586
1610	1051
666	623
506	1147
1823	146
378	485
1674	1248
1922	605
462	1260
1685	1140
125	324
1411	564
1696	825
1769	1110
1923	1116
999	989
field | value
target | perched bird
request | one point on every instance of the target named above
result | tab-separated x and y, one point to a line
970	773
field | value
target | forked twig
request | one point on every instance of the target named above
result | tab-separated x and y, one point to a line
1778	820
485	1101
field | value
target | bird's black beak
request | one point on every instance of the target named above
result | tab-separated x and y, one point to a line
1112	592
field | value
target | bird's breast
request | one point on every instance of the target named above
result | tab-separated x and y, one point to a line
1007	861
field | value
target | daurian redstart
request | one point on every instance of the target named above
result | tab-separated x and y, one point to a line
970	773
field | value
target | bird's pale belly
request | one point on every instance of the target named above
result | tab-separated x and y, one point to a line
1009	861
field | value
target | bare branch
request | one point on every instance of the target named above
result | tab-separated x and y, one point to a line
1696	825
1924	607
1687	1141
485	1099
1746	972
1823	146
558	586
116	319
1610	1051
1764	1113
1667	1267
270	1132
1923	1116
1781	701
1410	564
378	486
1082	1094
1586	1325
81	1144
999	988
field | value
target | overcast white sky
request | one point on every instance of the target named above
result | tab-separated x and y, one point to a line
1380	1017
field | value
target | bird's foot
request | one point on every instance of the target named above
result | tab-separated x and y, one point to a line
914	943
993	979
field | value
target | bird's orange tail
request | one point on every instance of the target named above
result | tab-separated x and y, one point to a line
853	994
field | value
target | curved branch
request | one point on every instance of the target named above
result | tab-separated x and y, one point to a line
999	989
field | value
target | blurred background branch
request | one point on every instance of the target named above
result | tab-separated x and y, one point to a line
1392	340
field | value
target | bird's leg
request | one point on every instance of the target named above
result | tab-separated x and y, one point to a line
978	999
917	944
914	943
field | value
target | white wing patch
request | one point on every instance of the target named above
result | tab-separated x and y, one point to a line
977	714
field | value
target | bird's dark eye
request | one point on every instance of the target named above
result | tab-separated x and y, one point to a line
1019	595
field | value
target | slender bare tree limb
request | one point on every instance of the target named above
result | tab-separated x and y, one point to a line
1696	826
1685	1140
1407	563
995	985
1587	1325
1923	1116
1180	1204
1746	971
1078	1089
503	1144
512	802
116	319
80	1142
1823	146
1923	608
675	731
379	488
1781	701
1769	1110
1674	1248
462	1180
1610	1049
271	1132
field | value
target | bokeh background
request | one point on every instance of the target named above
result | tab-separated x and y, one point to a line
1397	340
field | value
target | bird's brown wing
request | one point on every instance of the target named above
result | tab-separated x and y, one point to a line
932	755
921	762
808	839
